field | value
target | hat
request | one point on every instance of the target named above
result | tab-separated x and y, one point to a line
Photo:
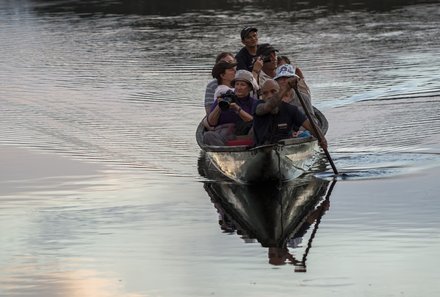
246	30
220	67
285	70
265	49
220	90
244	75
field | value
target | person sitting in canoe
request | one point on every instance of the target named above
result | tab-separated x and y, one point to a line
223	73
213	84
283	73
282	59
231	113
268	55
274	118
247	55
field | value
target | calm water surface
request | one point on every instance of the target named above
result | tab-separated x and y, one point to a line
102	187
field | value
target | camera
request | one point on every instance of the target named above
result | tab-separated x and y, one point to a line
227	98
265	58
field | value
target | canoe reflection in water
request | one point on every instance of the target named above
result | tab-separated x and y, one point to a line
277	215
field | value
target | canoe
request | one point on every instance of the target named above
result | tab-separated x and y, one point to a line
277	216
282	161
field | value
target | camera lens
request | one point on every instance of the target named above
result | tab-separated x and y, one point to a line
224	105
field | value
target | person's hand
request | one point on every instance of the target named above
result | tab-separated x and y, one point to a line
299	72
234	106
323	143
292	82
325	205
258	64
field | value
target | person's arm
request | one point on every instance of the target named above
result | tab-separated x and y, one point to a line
299	72
256	69
214	115
303	87
304	91
241	112
273	102
209	95
318	134
268	105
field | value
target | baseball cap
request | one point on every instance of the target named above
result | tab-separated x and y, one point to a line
265	49
246	31
220	67
285	70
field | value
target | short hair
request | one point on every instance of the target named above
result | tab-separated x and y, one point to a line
285	58
222	55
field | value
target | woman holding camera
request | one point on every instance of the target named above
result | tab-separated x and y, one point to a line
231	114
213	84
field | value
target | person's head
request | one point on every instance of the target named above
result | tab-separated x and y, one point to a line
268	54
243	83
283	73
269	88
225	56
249	36
283	60
224	72
278	255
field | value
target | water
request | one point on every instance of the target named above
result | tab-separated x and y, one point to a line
100	187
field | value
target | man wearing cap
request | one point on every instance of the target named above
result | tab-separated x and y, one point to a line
274	119
268	55
283	73
232	117
247	56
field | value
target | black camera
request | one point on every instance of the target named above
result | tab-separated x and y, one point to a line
266	59
227	98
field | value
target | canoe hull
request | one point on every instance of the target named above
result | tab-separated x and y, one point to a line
267	163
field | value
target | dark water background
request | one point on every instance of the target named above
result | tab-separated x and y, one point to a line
100	187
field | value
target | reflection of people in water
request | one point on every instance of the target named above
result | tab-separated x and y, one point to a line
282	255
227	225
225	222
270	213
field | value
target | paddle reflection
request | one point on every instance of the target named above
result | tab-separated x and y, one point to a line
278	216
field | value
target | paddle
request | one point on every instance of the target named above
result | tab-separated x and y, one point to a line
317	131
302	264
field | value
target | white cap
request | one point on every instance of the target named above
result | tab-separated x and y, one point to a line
285	70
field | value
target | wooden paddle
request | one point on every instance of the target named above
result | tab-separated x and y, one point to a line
318	132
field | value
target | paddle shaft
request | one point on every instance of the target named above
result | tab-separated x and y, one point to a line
317	130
